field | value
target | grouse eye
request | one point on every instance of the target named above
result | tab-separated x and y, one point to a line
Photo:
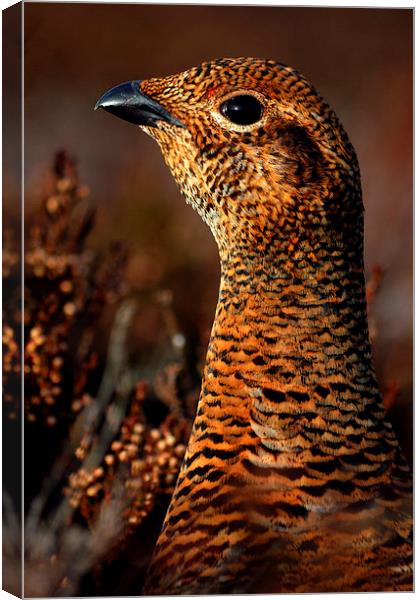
242	110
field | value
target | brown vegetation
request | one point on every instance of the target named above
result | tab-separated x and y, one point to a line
103	445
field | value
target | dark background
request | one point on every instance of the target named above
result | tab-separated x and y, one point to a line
360	60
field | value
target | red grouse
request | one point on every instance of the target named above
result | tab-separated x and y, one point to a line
293	480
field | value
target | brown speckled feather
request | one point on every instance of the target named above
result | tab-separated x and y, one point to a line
293	479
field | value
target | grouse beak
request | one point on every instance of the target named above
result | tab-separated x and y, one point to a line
127	102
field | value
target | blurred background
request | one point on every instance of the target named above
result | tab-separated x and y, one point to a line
360	60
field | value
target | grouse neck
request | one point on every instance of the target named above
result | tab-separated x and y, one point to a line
290	340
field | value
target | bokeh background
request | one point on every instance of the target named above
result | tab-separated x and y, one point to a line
360	60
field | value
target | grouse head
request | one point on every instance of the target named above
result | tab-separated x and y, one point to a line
251	145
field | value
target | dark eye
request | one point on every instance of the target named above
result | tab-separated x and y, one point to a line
242	110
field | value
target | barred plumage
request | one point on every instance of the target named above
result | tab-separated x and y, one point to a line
293	480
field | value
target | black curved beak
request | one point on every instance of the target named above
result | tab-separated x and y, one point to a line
127	102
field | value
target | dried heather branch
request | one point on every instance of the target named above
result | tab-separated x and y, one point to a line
110	466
